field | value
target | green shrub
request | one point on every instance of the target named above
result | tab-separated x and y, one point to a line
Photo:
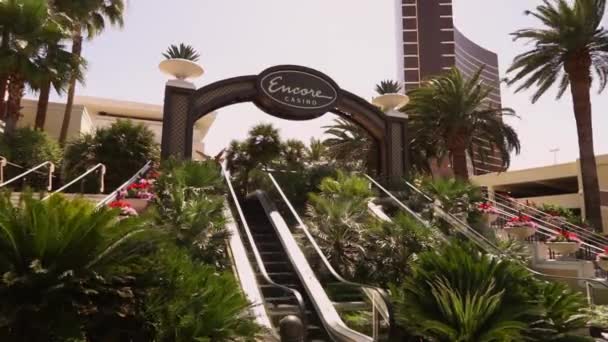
196	303
392	247
28	148
123	147
67	269
337	217
189	209
457	294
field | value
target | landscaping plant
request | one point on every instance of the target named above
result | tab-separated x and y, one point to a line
124	148
195	302
68	270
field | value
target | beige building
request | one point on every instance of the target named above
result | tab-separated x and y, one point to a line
90	113
559	184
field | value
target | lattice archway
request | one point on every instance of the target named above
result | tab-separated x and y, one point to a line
290	92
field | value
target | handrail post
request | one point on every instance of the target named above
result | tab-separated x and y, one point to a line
589	289
102	175
2	165
51	171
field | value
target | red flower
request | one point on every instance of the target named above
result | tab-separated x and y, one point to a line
119	204
606	250
569	236
485	206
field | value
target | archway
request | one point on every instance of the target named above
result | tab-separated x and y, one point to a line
290	92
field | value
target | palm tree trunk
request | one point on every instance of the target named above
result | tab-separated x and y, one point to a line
67	116
4	77
16	90
43	105
458	152
578	69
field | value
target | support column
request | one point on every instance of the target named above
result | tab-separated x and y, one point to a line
397	145
176	140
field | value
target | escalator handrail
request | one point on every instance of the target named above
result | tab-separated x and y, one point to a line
100	166
51	167
325	308
134	178
256	253
387	312
245	273
587	234
465	228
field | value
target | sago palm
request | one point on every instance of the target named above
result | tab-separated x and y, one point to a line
567	49
454	110
388	87
182	51
458	294
64	263
88	17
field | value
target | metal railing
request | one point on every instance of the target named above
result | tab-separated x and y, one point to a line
378	297
102	173
485	244
257	256
3	163
51	170
134	178
542	217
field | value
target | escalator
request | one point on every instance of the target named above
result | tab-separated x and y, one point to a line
280	280
279	303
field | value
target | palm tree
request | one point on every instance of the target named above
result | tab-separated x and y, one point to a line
87	16
388	87
293	152
316	152
348	143
56	66
183	52
569	47
337	217
454	110
263	145
25	25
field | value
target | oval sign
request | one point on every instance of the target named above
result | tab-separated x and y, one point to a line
296	93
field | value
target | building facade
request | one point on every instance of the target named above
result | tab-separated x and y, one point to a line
429	44
560	184
91	113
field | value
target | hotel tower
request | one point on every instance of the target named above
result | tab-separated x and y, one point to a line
429	44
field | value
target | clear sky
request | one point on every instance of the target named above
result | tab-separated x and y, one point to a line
353	41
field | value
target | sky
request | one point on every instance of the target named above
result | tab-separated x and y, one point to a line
352	41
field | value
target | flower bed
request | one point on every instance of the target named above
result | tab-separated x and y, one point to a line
139	194
489	212
125	208
520	227
564	243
